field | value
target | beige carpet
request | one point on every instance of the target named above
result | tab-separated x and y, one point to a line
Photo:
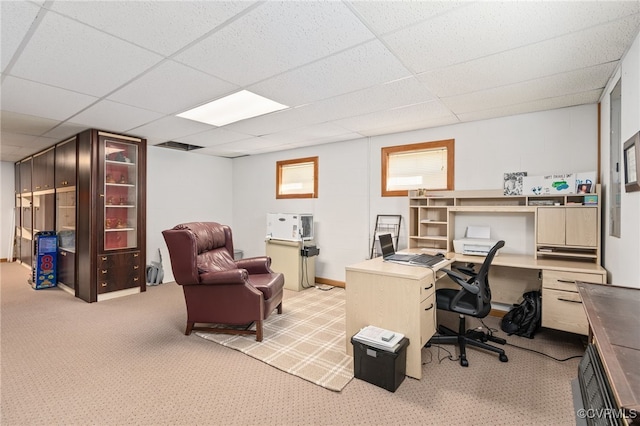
306	340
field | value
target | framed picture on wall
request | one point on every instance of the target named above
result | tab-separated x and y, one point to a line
631	157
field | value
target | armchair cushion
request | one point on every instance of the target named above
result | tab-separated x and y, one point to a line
215	261
268	284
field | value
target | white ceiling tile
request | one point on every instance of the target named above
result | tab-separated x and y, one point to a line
28	97
212	137
15	19
160	26
274	122
486	28
413	114
545	104
10	141
169	128
597	45
387	16
318	133
65	130
354	69
115	117
275	37
172	88
398	93
26	124
583	80
67	54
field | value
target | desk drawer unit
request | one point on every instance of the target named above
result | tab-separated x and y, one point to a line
561	304
427	318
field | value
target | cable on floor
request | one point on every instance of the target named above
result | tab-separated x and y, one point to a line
492	330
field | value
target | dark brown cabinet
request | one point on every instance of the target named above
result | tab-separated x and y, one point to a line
110	227
25	174
65	164
43	170
90	189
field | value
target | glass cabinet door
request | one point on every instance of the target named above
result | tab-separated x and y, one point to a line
120	172
66	219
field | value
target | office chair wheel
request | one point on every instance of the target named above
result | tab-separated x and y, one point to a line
464	362
503	358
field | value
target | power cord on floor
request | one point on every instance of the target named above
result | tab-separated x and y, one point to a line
449	357
490	332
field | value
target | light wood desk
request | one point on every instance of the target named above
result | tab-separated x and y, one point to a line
395	297
402	298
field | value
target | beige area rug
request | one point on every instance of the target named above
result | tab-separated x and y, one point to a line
306	340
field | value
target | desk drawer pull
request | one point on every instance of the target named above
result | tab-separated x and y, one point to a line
567	281
567	300
429	308
427	288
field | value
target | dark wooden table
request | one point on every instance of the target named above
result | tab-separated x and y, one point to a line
614	321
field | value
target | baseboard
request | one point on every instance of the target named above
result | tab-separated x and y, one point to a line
327	281
497	313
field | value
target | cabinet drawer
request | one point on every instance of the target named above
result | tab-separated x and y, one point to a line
118	272
427	319
567	280
427	289
562	310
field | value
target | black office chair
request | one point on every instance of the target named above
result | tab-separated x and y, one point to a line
473	299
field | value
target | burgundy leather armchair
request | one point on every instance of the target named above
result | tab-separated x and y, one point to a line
218	289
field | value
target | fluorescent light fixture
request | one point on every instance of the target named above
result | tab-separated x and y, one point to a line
238	106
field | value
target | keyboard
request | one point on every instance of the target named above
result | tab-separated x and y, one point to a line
399	257
426	260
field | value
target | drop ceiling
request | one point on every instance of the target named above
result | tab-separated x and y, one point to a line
345	69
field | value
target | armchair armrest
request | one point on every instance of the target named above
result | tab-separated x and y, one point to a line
232	276
461	280
255	265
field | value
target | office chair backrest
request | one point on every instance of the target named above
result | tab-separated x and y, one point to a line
482	278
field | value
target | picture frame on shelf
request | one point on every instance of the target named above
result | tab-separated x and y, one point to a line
631	160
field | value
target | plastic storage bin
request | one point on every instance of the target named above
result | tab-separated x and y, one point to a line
45	250
379	367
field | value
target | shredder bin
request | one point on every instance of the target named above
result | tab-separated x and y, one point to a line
379	367
45	250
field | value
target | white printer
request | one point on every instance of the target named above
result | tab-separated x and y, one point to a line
476	242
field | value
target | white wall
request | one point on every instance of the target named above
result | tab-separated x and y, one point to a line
622	255
7	204
184	187
563	140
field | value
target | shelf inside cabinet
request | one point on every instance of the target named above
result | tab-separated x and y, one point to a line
120	163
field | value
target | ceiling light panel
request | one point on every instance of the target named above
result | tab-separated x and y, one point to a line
238	106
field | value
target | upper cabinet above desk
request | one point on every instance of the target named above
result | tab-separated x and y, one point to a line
565	227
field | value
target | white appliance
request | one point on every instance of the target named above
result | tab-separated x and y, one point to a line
477	241
290	226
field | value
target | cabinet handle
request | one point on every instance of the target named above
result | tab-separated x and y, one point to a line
567	281
38	187
567	300
427	288
430	307
135	267
104	257
63	253
104	271
103	284
135	254
135	279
